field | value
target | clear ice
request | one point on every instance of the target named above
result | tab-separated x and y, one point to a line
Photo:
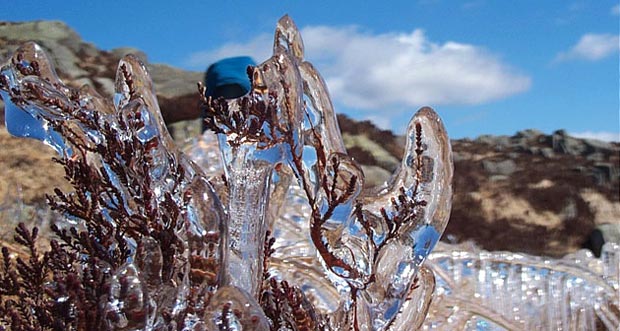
196	225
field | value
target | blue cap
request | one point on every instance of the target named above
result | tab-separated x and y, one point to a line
228	78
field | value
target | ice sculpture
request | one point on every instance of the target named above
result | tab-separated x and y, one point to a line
159	245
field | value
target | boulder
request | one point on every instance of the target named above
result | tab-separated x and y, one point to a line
503	167
565	144
120	52
610	232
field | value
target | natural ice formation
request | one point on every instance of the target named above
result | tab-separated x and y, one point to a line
185	250
478	290
156	242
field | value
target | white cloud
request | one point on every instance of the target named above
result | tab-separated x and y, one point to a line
599	135
393	70
615	10
592	47
406	69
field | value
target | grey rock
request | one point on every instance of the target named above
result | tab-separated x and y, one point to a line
375	176
60	41
67	51
505	167
523	140
565	144
502	142
122	51
569	211
382	156
547	152
534	150
106	85
66	60
529	134
39	30
498	178
81	82
604	172
611	232
545	140
88	50
579	169
485	139
460	156
597	146
596	156
171	82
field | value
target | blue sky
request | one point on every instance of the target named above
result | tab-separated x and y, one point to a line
488	67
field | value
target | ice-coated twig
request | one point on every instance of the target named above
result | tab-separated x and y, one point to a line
133	189
374	244
166	252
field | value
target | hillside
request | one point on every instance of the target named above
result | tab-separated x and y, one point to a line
532	192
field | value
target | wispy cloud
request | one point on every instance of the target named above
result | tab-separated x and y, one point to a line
615	10
598	135
592	47
393	70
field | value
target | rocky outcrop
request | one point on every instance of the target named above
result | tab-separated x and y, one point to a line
530	192
78	63
541	193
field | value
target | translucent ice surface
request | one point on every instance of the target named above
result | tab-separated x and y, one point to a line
270	228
